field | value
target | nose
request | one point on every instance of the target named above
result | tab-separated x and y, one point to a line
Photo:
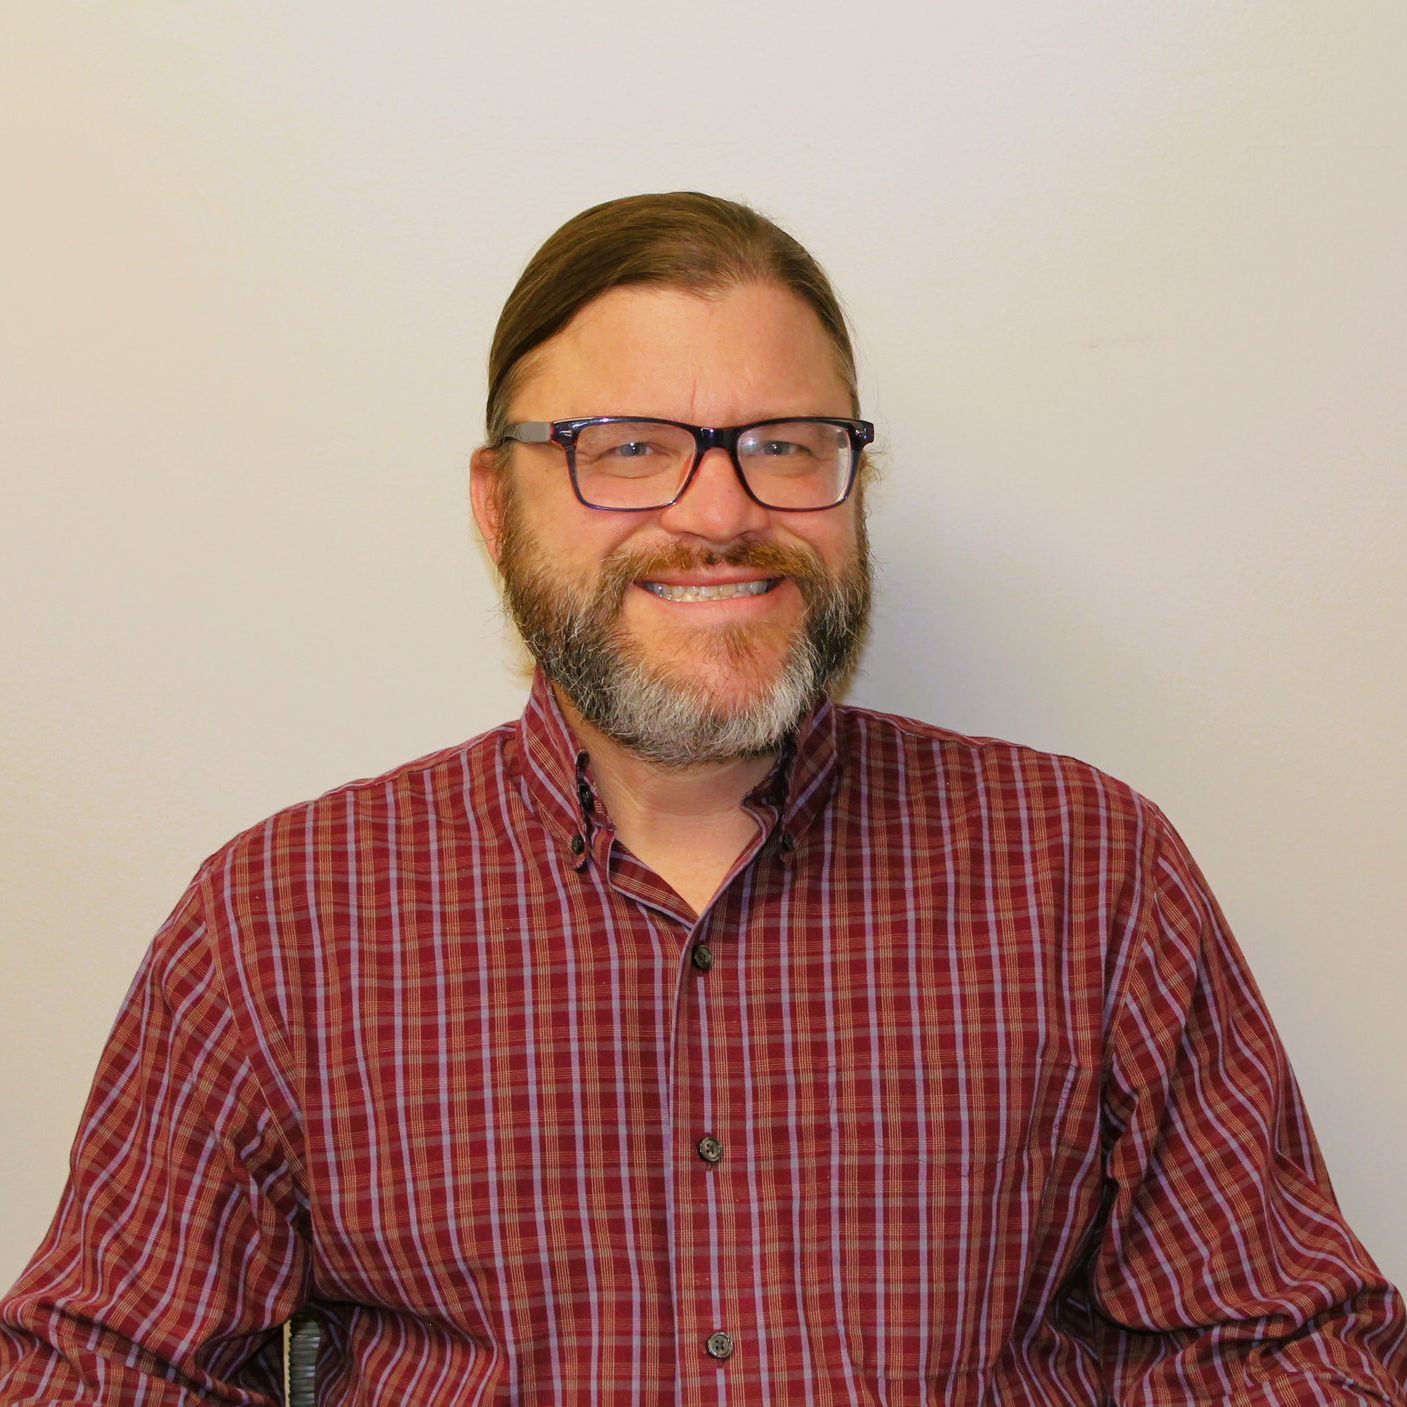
715	506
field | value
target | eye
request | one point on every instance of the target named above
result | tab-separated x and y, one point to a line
800	441
611	454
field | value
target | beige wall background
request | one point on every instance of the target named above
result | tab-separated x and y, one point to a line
1129	287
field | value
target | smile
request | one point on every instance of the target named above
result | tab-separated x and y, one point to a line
723	592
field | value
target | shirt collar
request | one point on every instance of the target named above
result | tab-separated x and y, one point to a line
555	771
810	767
553	768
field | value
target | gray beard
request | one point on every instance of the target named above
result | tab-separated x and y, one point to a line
661	714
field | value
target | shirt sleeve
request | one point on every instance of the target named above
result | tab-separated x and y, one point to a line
1225	1271
176	1249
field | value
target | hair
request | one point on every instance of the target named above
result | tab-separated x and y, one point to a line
685	240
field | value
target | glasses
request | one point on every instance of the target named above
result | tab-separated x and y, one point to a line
631	464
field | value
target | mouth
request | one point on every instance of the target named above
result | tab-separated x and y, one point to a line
710	591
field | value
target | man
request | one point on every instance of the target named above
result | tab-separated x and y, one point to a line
696	1039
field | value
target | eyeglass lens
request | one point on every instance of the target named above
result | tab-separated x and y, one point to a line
787	464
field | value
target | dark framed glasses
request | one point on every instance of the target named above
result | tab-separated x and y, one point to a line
631	464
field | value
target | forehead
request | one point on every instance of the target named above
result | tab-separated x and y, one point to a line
745	352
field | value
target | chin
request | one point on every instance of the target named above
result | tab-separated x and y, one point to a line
733	671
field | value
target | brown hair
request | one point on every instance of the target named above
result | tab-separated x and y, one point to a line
683	239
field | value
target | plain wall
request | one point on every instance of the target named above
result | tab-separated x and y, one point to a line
1129	290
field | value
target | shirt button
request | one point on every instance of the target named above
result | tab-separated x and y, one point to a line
703	957
788	842
578	843
710	1149
720	1345
583	795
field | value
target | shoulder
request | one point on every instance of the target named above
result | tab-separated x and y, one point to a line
341	877
993	774
394	816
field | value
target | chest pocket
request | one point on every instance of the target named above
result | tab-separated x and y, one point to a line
951	1201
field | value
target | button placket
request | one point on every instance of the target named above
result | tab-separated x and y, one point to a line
701	953
713	1253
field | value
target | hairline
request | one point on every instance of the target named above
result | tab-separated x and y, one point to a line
705	288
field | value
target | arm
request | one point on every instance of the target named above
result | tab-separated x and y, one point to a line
175	1251
1225	1272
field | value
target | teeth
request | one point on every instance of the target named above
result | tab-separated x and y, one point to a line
707	593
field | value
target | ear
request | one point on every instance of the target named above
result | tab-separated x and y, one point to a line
486	471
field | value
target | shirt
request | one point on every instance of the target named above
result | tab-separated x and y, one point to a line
959	1092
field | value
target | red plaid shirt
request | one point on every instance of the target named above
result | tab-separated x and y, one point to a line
959	1092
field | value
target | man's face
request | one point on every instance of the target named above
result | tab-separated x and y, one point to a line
596	594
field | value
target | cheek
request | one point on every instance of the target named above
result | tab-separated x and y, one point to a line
835	543
566	537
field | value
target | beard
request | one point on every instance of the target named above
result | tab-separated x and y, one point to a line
664	710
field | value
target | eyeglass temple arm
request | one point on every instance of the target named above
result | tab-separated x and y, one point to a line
530	432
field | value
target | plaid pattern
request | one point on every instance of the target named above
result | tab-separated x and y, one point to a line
1001	1117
